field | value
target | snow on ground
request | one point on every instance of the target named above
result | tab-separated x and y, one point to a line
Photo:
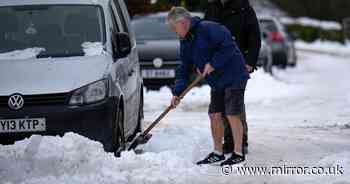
306	21
326	47
299	117
28	53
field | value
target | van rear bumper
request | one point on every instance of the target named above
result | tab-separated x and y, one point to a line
92	121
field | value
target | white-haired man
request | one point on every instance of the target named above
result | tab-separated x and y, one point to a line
209	48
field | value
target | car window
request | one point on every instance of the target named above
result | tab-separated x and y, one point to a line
61	30
152	28
268	25
120	14
122	7
114	20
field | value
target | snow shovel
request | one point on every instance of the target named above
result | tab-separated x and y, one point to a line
143	138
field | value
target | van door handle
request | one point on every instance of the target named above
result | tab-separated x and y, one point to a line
131	72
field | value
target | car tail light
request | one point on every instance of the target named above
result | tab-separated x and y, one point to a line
277	37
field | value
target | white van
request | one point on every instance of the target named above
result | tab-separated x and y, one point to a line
69	66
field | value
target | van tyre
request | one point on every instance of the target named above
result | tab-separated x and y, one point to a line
118	132
141	113
139	118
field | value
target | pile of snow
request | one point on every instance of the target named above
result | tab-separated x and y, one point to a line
155	100
28	53
71	159
92	48
305	21
261	88
78	160
326	47
198	97
264	88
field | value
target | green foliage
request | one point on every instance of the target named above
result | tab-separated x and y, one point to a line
334	10
310	34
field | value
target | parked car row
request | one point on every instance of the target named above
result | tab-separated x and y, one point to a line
159	48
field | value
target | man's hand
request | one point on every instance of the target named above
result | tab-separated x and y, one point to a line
175	101
207	70
249	68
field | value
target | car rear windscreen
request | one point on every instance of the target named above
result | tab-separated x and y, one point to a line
268	25
152	28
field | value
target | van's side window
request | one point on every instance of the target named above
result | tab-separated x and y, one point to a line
116	18
117	9
115	26
123	9
122	18
114	21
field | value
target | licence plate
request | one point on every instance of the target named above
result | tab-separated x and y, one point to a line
158	74
22	125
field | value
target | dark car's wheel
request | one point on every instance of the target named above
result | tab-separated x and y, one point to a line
118	132
293	65
267	66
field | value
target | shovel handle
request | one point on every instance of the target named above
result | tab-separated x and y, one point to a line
192	85
169	108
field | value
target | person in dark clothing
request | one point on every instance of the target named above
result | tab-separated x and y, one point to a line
240	18
209	48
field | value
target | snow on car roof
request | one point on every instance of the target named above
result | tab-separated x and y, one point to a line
164	14
266	17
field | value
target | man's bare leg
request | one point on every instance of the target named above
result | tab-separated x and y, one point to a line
237	131
217	130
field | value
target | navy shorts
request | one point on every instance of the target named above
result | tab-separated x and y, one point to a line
229	101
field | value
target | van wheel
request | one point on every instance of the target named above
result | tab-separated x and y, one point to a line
118	132
139	118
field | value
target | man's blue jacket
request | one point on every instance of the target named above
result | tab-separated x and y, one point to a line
210	42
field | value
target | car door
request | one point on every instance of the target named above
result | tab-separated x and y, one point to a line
120	65
134	61
130	89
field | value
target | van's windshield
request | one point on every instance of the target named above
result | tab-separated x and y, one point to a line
57	30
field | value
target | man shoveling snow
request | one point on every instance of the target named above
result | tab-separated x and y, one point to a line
208	48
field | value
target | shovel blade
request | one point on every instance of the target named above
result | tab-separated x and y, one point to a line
138	140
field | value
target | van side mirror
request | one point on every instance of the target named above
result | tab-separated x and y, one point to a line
122	45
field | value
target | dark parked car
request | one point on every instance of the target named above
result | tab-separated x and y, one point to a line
79	71
281	42
158	49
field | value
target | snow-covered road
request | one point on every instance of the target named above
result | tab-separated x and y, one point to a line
300	117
